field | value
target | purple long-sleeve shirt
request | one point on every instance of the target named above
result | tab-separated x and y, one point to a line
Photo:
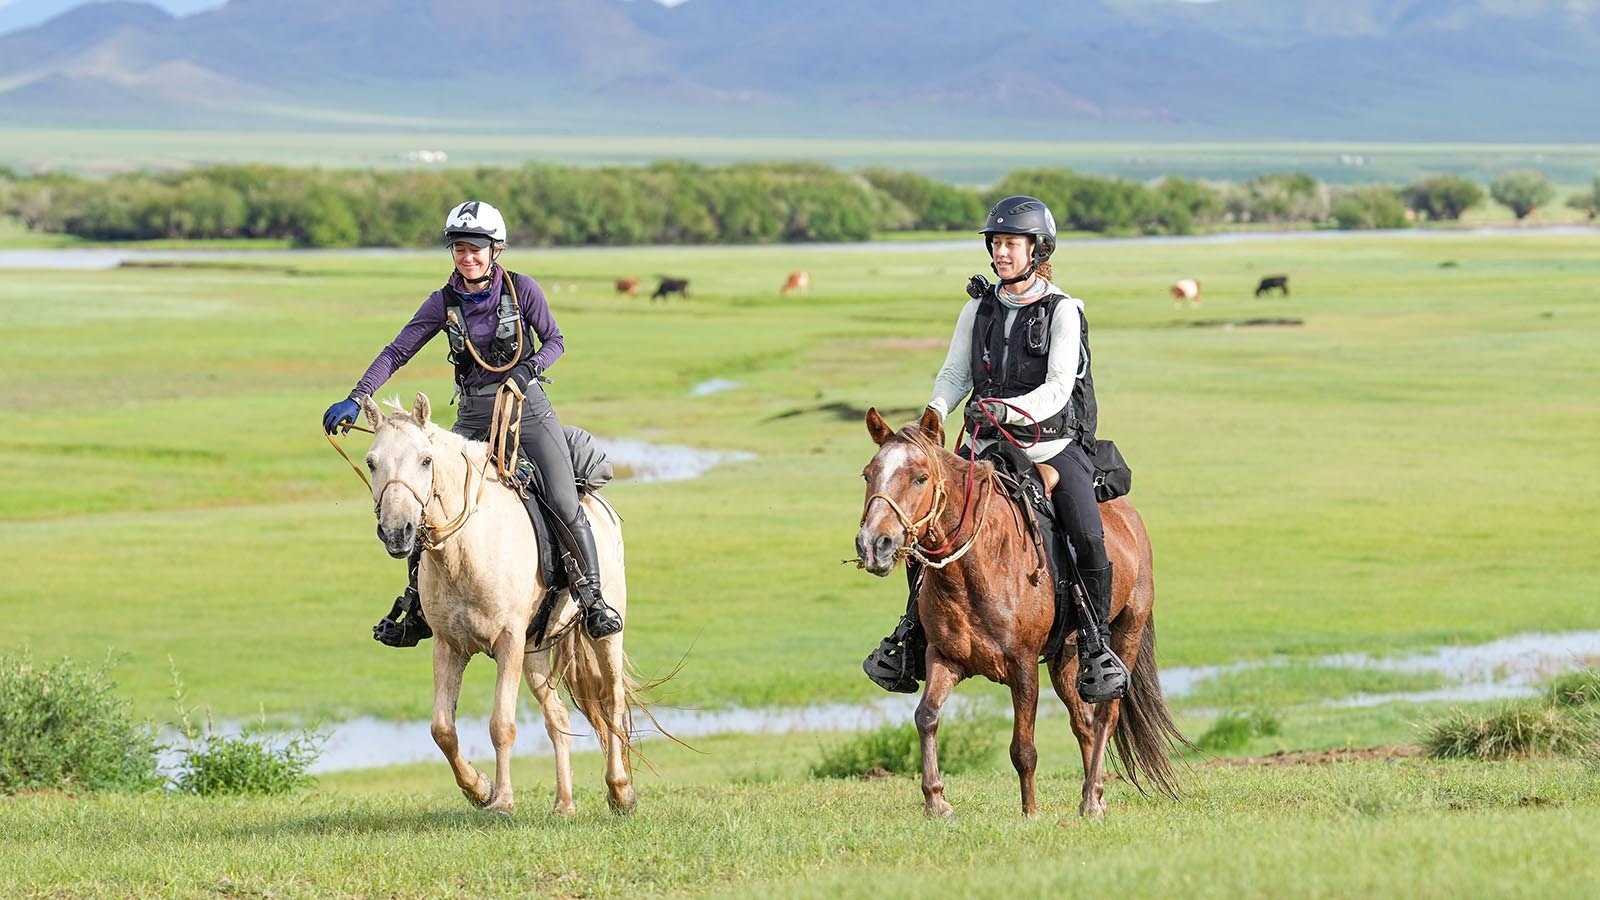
481	318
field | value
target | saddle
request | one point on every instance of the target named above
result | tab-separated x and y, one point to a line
1028	484
591	470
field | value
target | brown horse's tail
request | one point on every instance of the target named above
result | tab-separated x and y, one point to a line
1146	734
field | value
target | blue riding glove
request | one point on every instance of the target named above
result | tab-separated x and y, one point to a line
342	413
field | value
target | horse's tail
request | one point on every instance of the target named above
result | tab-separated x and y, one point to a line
579	662
1145	732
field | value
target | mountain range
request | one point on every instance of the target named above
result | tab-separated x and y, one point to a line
1394	70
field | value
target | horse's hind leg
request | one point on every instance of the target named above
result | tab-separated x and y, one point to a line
942	679
447	668
614	731
1092	727
1024	708
536	670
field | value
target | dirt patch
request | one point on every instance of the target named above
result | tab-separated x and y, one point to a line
1323	757
1280	321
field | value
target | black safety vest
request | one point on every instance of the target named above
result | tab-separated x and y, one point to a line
996	373
502	347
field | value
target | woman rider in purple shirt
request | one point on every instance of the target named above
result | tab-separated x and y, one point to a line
475	234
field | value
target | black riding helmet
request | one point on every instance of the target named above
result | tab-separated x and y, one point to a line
1022	215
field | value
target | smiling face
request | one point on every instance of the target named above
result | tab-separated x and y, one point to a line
1012	254
471	261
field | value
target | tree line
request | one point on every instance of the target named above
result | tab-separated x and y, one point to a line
679	202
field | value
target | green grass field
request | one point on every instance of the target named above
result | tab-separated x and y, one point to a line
978	161
1408	466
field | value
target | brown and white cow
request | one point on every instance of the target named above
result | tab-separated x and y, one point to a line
1185	291
798	283
629	286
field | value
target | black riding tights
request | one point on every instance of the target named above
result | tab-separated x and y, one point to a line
1077	511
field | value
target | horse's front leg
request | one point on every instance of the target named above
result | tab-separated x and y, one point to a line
614	679
503	717
447	668
557	723
1024	707
942	679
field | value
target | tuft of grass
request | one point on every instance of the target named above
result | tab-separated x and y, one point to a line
1517	732
62	728
215	764
1233	730
965	744
1576	689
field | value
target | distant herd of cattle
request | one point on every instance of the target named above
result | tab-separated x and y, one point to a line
1185	291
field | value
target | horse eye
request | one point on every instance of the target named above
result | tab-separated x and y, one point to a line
371	465
921	479
427	461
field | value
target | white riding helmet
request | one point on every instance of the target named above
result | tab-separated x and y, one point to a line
477	223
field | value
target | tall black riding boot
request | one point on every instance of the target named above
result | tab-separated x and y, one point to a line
404	626
899	662
1101	675
599	619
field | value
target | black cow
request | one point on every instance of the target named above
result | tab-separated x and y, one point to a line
679	286
1269	282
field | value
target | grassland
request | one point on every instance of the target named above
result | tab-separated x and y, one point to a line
977	161
1396	827
1410	464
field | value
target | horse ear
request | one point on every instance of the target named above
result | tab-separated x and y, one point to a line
422	409
374	415
876	427
931	426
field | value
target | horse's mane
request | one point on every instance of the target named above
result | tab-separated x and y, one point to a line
475	451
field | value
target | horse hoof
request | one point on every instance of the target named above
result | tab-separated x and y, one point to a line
940	810
625	802
565	810
480	793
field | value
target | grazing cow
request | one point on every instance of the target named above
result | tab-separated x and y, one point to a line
1185	290
799	282
629	286
1273	282
679	286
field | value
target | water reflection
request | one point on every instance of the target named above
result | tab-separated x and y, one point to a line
1507	668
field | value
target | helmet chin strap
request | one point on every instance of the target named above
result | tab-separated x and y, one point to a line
1032	267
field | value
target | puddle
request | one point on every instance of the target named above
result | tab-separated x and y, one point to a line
643	461
713	386
1507	668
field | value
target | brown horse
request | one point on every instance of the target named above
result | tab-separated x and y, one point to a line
987	607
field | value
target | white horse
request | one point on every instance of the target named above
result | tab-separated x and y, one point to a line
480	583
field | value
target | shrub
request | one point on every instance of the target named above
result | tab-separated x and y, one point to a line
1442	197
1522	191
964	745
216	764
62	728
1517	731
1372	206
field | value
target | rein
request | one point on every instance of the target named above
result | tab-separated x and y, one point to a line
337	446
435	537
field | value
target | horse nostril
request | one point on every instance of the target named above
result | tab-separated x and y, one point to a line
884	545
861	547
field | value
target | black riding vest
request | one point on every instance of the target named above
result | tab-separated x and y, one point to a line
996	373
502	348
